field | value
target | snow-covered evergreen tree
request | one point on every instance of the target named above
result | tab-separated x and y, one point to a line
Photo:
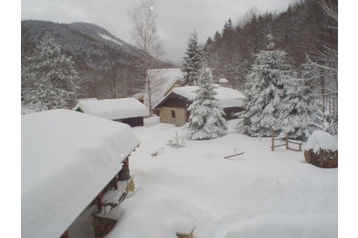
206	119
300	114
193	61
264	91
50	80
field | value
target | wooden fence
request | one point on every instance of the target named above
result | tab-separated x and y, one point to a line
286	140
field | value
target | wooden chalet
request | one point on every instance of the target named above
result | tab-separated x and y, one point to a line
173	107
126	110
162	82
70	161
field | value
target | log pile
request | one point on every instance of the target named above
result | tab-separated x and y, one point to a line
102	226
124	173
322	158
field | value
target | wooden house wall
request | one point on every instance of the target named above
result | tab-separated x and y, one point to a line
231	111
179	105
133	121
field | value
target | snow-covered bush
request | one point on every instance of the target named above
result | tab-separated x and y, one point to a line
176	141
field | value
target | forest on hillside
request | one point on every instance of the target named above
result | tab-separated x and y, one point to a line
104	63
307	31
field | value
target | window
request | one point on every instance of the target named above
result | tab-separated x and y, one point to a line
172	113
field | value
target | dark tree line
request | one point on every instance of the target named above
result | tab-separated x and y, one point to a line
307	31
303	31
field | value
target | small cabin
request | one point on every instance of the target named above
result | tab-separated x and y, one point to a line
223	82
173	107
126	110
69	160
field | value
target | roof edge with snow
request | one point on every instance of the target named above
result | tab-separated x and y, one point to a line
67	159
113	109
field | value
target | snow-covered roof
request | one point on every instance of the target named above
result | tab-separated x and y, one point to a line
223	80
227	97
113	108
161	82
67	158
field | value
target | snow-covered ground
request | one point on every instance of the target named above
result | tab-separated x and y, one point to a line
261	193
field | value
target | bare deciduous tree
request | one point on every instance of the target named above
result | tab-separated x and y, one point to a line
145	37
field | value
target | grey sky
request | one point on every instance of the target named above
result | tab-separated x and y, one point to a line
176	18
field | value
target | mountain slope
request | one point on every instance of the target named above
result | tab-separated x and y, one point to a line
81	40
99	56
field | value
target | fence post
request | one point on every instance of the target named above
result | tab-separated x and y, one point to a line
286	141
272	139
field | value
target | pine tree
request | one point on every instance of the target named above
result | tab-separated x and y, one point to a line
50	77
206	116
193	61
265	90
300	114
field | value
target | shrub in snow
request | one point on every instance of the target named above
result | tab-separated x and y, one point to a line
322	150
206	119
176	141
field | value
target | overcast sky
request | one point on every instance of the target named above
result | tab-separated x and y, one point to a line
176	18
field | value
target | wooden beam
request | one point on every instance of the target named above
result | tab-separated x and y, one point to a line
126	162
65	234
99	202
286	141
272	139
115	182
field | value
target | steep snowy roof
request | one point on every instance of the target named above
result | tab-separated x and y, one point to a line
113	108
227	97
162	81
67	158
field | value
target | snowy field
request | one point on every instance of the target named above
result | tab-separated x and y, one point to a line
261	193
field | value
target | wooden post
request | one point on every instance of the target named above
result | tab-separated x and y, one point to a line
126	162
65	235
99	202
115	182
286	141
273	139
